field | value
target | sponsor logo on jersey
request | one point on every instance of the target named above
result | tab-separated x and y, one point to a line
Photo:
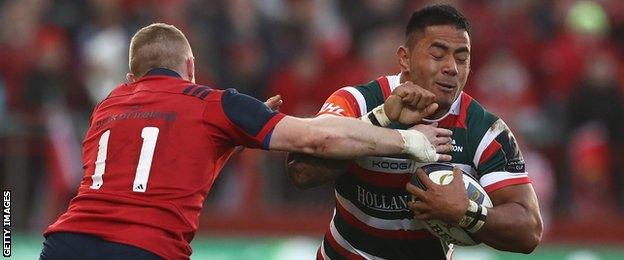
387	164
331	108
455	147
382	202
391	165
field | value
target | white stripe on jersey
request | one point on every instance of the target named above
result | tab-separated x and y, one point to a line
378	223
394	81
491	134
325	257
381	164
346	245
467	168
359	98
494	177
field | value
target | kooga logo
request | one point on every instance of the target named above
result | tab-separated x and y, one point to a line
392	165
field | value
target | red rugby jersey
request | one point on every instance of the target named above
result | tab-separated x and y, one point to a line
151	154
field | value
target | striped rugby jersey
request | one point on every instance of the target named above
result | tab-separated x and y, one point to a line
371	219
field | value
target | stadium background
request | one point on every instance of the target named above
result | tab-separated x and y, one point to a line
552	69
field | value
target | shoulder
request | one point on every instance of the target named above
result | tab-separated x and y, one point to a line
478	119
359	99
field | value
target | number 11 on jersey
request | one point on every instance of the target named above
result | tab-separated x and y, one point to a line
150	136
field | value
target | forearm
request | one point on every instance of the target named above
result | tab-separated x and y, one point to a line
306	171
511	227
345	138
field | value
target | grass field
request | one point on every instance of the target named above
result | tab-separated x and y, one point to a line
28	247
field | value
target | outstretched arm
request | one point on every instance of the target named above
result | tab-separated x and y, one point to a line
306	171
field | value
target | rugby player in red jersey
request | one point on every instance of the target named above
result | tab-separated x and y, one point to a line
374	216
155	146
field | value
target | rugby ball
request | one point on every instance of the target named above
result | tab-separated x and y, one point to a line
442	174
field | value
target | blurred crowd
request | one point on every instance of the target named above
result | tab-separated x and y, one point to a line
552	69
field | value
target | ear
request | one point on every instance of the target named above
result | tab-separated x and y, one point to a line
190	68
403	55
130	77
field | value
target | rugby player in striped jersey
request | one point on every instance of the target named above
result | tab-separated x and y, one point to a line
375	216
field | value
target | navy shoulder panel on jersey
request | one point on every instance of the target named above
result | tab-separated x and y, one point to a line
197	91
514	161
246	112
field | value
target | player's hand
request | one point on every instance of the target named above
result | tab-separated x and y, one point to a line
274	102
439	137
409	104
444	202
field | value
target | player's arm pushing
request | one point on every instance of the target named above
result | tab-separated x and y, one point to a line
407	104
247	121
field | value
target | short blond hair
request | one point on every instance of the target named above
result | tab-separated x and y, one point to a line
157	45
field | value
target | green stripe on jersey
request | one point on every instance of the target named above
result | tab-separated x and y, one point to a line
494	164
372	94
478	122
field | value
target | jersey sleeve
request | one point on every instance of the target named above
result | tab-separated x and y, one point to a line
341	103
249	122
498	159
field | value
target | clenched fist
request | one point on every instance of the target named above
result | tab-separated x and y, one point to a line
409	104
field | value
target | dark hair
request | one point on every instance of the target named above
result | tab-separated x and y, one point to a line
436	15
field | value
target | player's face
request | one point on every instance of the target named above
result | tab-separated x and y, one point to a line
439	61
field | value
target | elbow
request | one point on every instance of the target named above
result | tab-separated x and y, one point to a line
298	175
301	182
534	237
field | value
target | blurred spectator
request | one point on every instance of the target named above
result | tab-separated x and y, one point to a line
598	101
103	44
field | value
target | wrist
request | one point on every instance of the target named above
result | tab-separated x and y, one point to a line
417	146
377	117
474	218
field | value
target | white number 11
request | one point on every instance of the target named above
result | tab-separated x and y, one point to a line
149	135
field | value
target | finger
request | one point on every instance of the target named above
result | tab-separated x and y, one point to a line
443	140
424	101
416	98
444	148
409	97
418	205
457	175
393	106
424	179
443	132
435	124
418	193
422	216
429	110
444	158
428	96
274	102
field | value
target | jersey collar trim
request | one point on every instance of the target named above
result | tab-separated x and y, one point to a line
455	109
162	72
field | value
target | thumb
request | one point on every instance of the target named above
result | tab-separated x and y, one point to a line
430	109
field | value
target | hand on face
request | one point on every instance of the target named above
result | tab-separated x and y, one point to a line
409	104
444	202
